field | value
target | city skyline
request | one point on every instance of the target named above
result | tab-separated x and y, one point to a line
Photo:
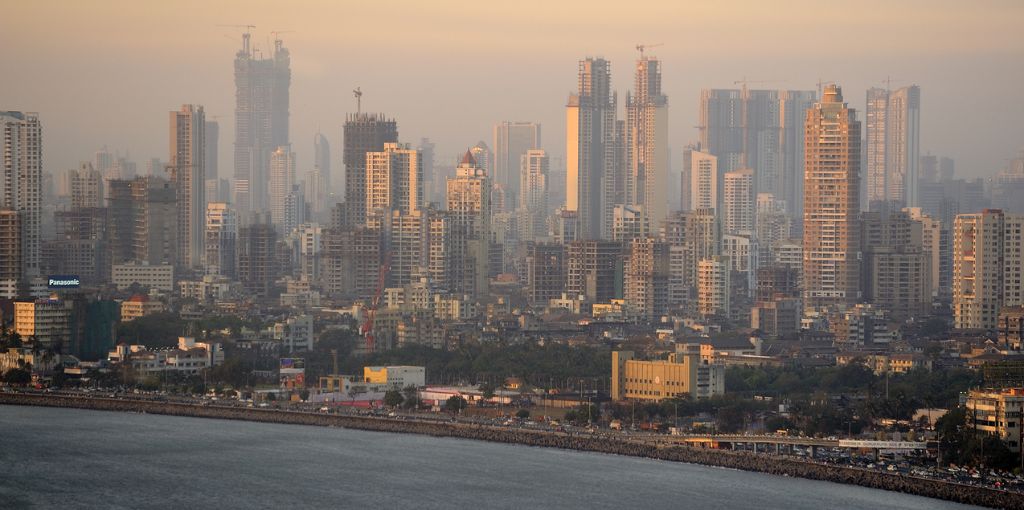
936	50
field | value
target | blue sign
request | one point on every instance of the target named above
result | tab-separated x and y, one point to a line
63	282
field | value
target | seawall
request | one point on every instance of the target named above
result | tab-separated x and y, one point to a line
619	446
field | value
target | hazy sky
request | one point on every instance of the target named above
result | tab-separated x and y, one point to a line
107	72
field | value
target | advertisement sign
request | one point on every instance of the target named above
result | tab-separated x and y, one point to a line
292	373
63	282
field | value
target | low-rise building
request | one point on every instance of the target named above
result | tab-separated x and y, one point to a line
139	305
295	333
682	374
395	377
47	320
189	357
998	413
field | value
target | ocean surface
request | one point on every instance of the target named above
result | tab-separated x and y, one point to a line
70	458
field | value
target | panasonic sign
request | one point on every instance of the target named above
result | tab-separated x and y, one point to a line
63	282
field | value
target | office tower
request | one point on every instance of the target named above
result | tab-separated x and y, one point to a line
892	147
713	286
987	267
221	239
761	130
212	151
897	269
394	181
647	180
545	273
364	133
261	120
738	202
21	183
187	169
322	161
646	278
511	141
282	181
831	247
704	181
469	207
533	198
257	264
86	187
593	178
594	270
143	221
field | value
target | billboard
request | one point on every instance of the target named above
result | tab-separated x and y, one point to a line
63	281
292	373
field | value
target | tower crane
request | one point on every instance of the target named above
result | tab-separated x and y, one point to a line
359	99
642	47
371	311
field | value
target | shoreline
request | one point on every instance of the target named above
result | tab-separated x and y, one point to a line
745	461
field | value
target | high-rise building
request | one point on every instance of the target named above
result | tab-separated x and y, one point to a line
761	130
593	169
221	239
831	240
212	152
533	196
364	133
143	221
897	268
322	160
646	278
261	120
394	181
483	156
594	270
10	253
257	264
187	169
86	186
433	179
545	272
703	181
987	267
692	236
511	141
892	147
713	286
738	202
647	179
282	182
21	183
469	209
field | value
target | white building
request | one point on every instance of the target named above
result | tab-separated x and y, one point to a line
295	333
713	286
738	203
703	180
988	263
159	277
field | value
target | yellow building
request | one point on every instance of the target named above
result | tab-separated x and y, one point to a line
998	413
395	376
682	374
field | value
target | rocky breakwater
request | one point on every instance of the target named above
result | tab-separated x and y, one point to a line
584	442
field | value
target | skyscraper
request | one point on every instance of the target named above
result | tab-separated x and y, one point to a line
511	141
738	202
593	179
322	160
831	258
703	180
221	239
282	182
363	133
188	173
212	151
469	209
21	183
261	120
533	198
893	147
987	267
647	180
86	187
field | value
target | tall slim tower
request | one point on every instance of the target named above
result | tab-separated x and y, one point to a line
469	210
831	203
363	133
188	173
593	182
647	180
322	159
394	181
282	183
212	148
533	197
511	141
703	180
893	149
738	203
261	120
21	183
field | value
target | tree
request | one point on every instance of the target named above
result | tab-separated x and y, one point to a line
522	414
17	376
410	396
456	403
393	398
487	390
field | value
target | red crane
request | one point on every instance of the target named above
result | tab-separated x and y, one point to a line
371	311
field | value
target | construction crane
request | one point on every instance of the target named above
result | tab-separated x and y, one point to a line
371	312
359	100
246	27
642	47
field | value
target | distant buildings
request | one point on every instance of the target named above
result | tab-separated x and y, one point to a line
21	191
282	183
363	133
187	169
892	142
646	141
533	195
511	142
